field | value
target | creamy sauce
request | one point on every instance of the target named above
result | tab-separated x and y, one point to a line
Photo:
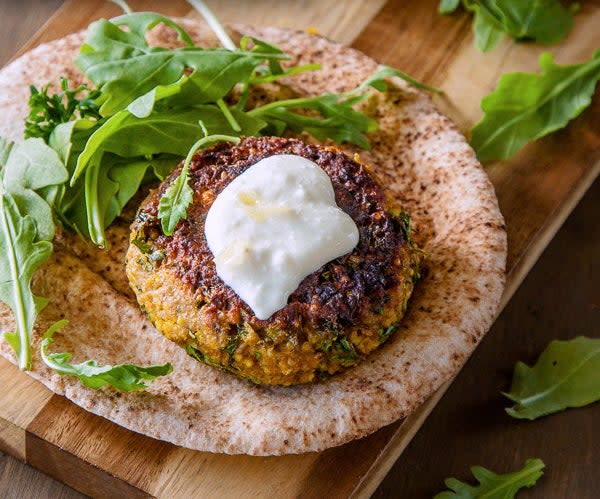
274	225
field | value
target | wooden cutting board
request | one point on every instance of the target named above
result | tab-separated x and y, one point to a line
536	190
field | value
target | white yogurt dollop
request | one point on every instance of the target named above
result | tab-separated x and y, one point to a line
274	225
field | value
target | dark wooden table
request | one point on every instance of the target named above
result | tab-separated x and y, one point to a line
560	299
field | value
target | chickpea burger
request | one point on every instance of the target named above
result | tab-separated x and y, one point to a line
337	315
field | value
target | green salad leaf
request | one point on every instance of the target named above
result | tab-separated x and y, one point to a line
31	172
21	254
124	377
5	148
125	66
173	204
492	485
543	21
527	106
126	139
567	374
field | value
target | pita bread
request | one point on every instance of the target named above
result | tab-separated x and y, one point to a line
423	160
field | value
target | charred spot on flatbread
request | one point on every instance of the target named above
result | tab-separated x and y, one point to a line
337	315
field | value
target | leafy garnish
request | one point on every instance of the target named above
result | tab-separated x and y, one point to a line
173	204
492	485
31	174
47	111
337	119
213	22
125	66
21	254
543	21
152	99
124	377
527	106
29	177
125	139
448	6
567	374
377	80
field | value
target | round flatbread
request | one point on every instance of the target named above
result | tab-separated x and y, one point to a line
422	159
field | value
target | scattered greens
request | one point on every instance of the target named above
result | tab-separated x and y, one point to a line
527	106
567	374
492	485
124	377
543	21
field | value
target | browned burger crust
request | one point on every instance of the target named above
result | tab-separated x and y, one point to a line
337	315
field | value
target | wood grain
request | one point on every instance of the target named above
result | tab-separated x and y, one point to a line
560	299
536	192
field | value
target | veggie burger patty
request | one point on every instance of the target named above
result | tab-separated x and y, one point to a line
337	315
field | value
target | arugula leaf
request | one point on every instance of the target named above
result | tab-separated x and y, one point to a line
567	374
30	173
492	485
173	204
124	66
124	6
124	377
21	254
336	118
123	138
544	21
527	106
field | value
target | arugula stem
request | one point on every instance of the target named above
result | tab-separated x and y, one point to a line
549	96
205	141
287	103
214	23
256	80
123	4
227	113
95	224
24	352
46	341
